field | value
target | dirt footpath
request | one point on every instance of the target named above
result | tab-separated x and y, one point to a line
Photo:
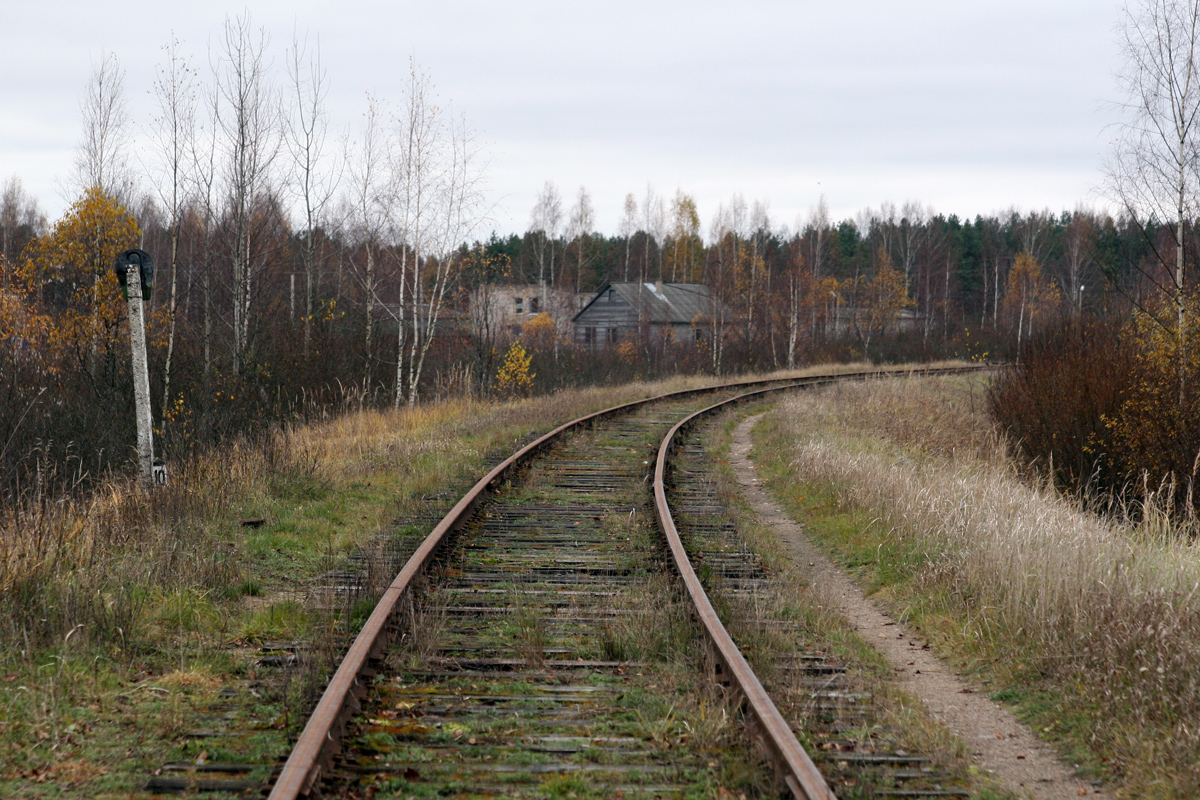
997	741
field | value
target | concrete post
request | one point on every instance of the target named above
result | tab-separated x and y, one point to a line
141	378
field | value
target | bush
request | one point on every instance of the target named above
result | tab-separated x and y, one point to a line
1056	404
1107	408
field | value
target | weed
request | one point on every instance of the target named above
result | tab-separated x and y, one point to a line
525	626
286	620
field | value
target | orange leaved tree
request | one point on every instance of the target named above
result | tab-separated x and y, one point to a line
68	277
1030	297
880	301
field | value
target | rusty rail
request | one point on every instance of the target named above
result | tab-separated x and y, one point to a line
798	771
320	741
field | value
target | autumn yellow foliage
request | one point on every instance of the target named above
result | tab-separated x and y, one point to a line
1030	298
67	279
514	378
539	332
1155	436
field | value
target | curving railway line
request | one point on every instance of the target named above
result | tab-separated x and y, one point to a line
539	643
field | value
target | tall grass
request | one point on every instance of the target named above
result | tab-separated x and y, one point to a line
83	566
1106	612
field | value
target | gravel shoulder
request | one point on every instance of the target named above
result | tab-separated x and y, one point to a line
998	742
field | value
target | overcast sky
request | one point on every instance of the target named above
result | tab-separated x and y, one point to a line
970	107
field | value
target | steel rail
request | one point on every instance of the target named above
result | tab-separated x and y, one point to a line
320	741
799	772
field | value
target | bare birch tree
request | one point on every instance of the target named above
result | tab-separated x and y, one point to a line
204	175
795	295
101	161
367	164
817	235
912	231
437	190
583	219
314	181
175	88
1153	170
758	229
652	222
722	262
414	169
249	125
455	213
544	224
628	229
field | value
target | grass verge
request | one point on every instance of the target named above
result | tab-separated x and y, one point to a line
1090	627
897	720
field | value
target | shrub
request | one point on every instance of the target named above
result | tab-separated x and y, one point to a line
1109	407
1056	404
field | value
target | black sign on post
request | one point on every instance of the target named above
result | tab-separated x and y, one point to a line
145	266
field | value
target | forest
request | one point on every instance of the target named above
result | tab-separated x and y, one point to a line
299	273
332	315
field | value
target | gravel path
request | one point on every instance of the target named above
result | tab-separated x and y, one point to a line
998	741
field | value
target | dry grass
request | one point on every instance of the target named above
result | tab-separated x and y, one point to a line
78	563
1103	616
894	716
106	590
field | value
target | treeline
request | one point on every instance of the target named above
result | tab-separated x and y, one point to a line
296	274
337	315
998	277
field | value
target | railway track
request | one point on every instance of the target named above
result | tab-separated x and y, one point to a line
764	610
537	643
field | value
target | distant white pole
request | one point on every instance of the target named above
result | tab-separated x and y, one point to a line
141	377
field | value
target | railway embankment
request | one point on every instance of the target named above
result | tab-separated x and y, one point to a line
154	643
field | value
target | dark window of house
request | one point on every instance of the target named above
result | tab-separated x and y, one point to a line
612	295
613	335
535	305
518	305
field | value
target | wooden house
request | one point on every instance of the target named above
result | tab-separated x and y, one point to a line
681	310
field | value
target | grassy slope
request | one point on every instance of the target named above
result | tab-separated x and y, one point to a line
1087	627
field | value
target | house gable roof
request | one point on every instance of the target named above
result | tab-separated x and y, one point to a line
671	303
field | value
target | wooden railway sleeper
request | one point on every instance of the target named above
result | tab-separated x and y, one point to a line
318	741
